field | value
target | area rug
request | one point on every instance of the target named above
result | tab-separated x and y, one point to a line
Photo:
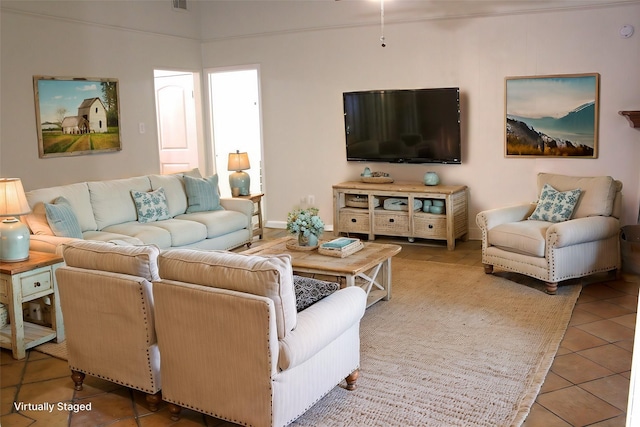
453	347
58	350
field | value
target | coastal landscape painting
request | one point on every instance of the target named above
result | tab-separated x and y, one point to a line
76	115
552	116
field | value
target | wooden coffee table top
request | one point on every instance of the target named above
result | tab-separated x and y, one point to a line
366	258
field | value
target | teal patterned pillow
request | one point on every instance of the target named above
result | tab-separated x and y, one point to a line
151	206
202	194
555	206
62	219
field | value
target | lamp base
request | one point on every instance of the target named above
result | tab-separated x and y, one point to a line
14	241
240	180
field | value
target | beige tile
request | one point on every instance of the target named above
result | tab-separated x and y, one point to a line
619	421
105	408
577	406
604	309
581	316
578	369
608	330
12	373
56	390
539	416
628	320
554	382
7	396
609	356
576	339
46	368
16	420
613	390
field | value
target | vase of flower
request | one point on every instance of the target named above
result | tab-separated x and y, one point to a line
306	224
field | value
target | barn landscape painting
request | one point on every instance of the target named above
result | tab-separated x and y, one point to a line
76	116
552	116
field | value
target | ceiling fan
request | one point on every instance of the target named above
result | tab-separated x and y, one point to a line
382	39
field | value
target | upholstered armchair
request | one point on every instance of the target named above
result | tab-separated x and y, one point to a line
566	234
107	302
234	346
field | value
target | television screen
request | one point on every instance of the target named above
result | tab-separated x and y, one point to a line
403	126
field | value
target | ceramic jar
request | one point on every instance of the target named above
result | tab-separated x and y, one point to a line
431	178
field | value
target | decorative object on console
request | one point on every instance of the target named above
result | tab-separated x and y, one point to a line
366	172
431	178
377	178
396	204
239	162
306	224
14	235
552	116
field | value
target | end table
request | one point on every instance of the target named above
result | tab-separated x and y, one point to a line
256	198
26	281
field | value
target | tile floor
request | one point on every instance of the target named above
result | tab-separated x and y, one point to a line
587	384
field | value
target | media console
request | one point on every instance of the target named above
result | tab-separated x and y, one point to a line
359	209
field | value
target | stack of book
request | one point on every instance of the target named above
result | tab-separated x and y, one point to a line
340	247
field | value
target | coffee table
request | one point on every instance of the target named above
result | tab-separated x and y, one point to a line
369	268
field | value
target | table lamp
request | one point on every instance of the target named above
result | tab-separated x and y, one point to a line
14	235
239	162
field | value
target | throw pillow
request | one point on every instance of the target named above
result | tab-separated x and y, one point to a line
151	206
555	206
309	291
202	194
62	219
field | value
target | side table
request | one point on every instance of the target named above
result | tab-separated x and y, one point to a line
26	281
256	198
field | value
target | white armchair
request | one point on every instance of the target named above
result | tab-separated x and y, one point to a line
557	250
234	346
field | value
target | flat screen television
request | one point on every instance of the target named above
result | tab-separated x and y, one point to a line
403	126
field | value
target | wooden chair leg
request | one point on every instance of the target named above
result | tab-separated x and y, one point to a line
154	400
488	268
351	380
552	288
174	410
78	378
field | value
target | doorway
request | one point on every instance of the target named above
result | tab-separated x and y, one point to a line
176	118
234	97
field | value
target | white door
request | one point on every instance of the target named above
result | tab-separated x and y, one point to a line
235	116
176	117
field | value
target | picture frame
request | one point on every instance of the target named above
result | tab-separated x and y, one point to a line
552	116
76	115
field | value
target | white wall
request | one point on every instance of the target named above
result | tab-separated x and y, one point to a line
34	43
304	73
303	76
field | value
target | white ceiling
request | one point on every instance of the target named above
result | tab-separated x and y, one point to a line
235	18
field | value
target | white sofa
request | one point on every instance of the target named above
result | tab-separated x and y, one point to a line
106	211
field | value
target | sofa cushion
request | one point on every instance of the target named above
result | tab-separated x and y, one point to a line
62	219
524	237
554	205
37	220
147	233
141	261
183	232
309	291
269	276
174	191
202	193
597	193
218	223
151	206
112	202
78	197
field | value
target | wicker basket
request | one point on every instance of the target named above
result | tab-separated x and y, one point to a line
4	315
357	201
377	179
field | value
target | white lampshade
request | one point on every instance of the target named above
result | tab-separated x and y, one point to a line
14	235
239	180
238	161
13	202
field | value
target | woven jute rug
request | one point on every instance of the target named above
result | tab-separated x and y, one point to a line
453	347
58	350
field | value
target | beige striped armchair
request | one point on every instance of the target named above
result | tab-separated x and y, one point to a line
552	240
107	304
233	345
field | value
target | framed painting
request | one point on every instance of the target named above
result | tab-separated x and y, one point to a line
552	116
76	116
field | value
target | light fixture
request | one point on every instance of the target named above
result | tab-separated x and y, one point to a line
239	180
14	235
